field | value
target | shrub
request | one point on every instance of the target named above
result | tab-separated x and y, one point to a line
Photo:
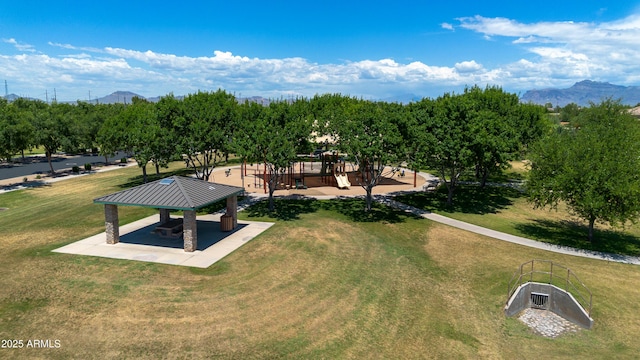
87	167
75	169
123	160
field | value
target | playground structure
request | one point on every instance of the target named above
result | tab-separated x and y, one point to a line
325	170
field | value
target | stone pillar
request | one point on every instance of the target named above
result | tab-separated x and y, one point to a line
111	223
190	231
232	209
165	215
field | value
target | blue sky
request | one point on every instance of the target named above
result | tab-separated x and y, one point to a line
371	49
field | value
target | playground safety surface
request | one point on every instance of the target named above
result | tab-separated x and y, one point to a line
316	185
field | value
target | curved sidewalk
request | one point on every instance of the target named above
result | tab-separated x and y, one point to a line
508	237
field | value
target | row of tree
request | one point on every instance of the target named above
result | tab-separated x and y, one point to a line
26	124
480	130
592	165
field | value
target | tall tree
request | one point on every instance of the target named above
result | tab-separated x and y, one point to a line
491	129
206	130
274	137
369	134
111	135
87	119
245	138
416	139
52	127
531	123
594	169
16	130
449	137
169	112
142	130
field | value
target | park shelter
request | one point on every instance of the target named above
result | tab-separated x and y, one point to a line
173	193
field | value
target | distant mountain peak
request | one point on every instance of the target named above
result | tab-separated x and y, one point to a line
122	97
126	93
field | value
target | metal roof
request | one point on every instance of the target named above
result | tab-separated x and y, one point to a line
174	192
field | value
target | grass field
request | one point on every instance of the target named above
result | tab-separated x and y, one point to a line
325	281
507	210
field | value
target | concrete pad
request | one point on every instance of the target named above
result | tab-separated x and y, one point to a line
139	244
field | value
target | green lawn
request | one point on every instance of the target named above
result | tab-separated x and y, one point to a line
326	281
507	210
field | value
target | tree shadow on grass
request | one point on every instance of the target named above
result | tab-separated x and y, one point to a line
353	208
574	234
284	209
468	199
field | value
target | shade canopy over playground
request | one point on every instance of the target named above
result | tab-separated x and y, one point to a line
172	193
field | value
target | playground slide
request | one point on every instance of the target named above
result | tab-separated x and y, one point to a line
343	181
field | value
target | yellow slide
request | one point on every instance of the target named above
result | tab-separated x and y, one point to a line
343	181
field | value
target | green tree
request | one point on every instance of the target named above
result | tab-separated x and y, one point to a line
245	136
52	127
16	130
111	136
274	137
142	130
569	113
87	119
449	139
595	169
492	130
531	123
415	144
205	130
169	112
368	133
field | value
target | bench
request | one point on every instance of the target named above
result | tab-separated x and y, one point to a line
170	229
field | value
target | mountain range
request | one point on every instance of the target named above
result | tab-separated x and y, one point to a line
126	96
581	93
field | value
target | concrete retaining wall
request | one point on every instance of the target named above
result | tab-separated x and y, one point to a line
560	302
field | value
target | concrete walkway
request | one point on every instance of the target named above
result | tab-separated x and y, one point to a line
137	242
508	237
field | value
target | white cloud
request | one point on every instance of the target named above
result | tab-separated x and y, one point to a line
153	73
567	50
71	47
20	46
553	54
468	66
447	26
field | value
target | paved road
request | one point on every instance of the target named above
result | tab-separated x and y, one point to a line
39	165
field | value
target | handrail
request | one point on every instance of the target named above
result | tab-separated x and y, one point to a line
581	292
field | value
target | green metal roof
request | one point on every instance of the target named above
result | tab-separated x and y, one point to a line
175	192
